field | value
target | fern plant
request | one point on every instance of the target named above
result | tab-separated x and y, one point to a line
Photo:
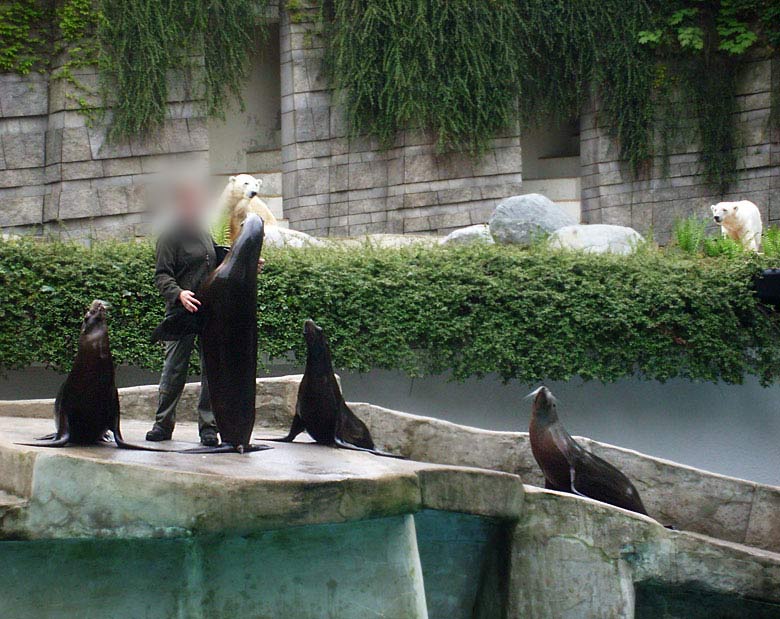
716	247
771	242
690	234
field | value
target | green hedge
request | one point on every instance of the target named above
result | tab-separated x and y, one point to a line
529	315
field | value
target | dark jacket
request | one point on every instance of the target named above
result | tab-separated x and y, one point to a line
185	258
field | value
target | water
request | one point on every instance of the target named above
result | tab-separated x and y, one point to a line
728	429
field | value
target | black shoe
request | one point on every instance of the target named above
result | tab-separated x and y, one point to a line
209	438
157	434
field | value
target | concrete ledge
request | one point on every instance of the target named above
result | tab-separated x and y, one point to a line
690	499
574	557
104	492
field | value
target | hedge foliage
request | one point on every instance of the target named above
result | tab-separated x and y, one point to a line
524	314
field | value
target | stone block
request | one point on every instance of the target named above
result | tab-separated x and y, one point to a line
420	168
20	211
199	133
79	203
21	177
450	220
113	200
122	166
102	149
367	175
313	181
23	95
24	150
81	170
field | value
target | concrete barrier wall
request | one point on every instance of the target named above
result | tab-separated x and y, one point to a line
687	498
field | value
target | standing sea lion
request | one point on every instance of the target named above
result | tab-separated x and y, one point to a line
227	324
321	409
567	467
87	404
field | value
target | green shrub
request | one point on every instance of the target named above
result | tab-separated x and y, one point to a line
689	234
770	242
474	310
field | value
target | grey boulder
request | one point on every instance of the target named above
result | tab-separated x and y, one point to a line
520	220
479	233
596	239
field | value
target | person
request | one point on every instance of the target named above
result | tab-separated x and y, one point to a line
186	256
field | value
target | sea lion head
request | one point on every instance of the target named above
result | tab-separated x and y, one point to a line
95	318
313	334
545	405
316	344
249	242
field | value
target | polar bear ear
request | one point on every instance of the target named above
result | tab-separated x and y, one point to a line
712	208
736	208
232	179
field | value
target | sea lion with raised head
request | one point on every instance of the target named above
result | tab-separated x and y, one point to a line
321	410
567	467
87	404
227	325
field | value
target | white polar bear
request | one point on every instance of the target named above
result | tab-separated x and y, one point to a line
239	198
740	221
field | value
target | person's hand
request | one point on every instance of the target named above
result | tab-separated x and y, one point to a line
188	300
260	265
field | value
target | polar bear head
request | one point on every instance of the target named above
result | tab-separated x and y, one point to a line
723	212
243	186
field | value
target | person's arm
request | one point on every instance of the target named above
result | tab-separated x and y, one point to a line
164	273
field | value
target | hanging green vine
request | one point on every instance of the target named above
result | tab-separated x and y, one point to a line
466	70
143	42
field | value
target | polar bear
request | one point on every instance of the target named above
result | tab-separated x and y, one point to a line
239	198
740	221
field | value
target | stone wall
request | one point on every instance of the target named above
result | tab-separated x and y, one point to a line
611	194
58	174
335	185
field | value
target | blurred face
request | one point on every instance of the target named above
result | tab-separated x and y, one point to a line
189	203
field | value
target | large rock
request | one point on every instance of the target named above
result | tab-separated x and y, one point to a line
597	239
276	236
479	233
520	220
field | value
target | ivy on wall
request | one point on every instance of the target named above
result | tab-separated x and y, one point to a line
459	68
528	315
23	44
138	46
144	44
462	69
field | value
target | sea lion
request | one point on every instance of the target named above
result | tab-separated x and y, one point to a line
568	467
87	404
227	325
321	410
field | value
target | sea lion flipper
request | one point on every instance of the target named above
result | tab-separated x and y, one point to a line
60	442
48	437
226	448
377	452
296	428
